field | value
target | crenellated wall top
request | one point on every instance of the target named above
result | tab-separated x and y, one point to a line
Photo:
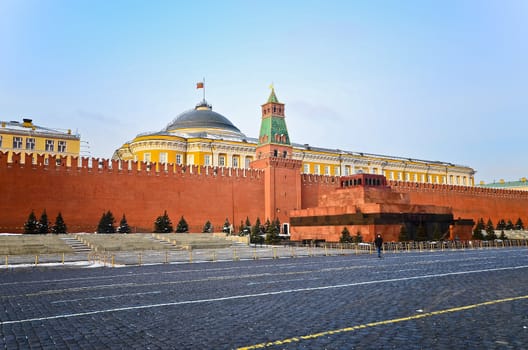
403	186
101	165
307	179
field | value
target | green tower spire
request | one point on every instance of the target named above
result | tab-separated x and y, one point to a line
272	97
273	128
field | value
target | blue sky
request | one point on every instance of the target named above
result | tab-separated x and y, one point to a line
435	80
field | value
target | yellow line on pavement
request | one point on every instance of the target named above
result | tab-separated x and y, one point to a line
379	323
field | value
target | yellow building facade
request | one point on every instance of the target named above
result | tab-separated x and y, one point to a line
25	137
206	138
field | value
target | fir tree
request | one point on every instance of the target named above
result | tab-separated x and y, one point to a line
182	226
31	225
519	224
163	224
501	225
123	226
208	228
421	233
437	234
277	224
358	238
403	237
509	225
246	229
503	236
43	224
256	233
59	226
272	233
490	231
345	236
227	226
106	224
477	232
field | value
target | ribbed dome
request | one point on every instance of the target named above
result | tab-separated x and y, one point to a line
202	118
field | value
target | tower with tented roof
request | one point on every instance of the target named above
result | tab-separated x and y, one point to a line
282	189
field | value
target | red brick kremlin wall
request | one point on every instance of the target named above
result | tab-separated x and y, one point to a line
83	193
470	202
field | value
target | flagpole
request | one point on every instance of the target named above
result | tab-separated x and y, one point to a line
204	89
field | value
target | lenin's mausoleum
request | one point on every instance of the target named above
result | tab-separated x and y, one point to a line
203	168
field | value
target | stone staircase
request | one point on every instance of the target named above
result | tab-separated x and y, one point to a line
75	244
190	241
168	245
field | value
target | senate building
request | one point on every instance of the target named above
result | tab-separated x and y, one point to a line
203	137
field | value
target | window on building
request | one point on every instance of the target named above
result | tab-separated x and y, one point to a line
392	175
374	170
207	160
407	178
146	157
306	168
190	159
163	157
317	169
61	146
248	162
347	170
337	171
17	142
235	161
50	145
327	170
399	176
423	178
415	177
221	161
30	143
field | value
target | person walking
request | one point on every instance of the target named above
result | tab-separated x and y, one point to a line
378	241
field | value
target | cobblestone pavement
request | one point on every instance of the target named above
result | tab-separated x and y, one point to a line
470	299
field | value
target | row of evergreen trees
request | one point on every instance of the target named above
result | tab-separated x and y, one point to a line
490	229
107	221
347	238
43	225
163	224
258	233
